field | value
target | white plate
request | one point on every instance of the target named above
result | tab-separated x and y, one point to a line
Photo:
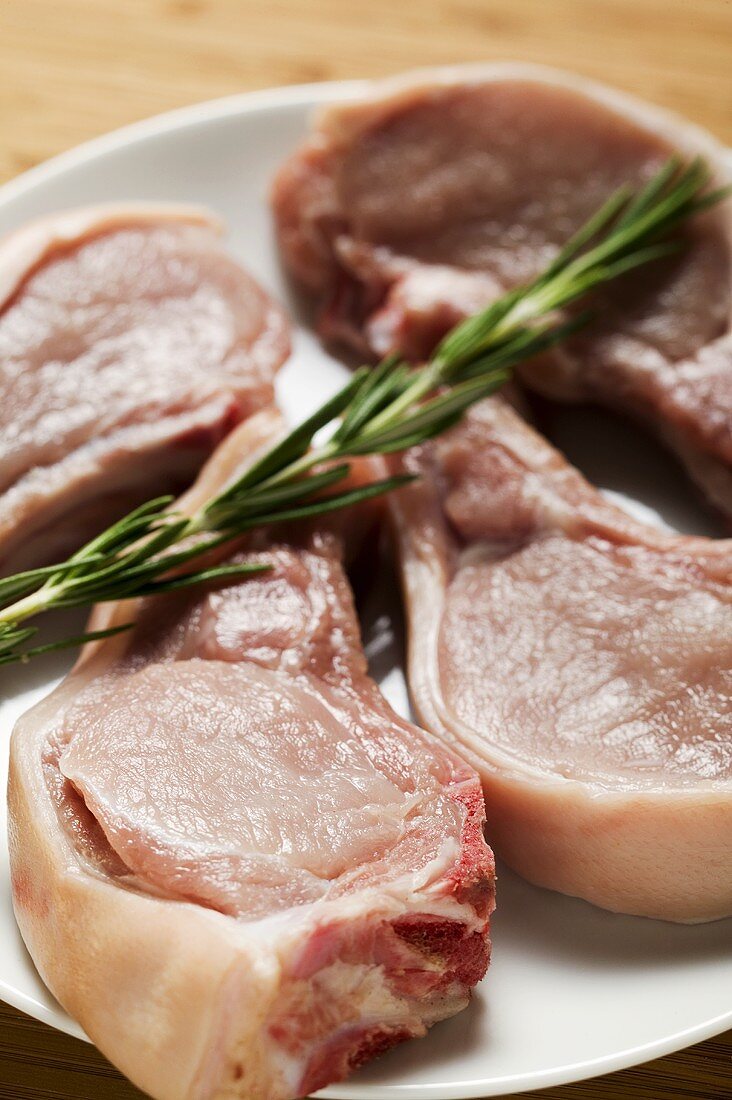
572	991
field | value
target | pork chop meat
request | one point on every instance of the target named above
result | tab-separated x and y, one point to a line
418	203
130	343
581	661
297	877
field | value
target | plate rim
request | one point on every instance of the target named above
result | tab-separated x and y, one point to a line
179	118
312	94
540	1079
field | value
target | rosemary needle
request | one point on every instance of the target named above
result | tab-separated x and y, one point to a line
385	409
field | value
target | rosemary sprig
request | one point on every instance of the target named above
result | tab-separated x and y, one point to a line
381	410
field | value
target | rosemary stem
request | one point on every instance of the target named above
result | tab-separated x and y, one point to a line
30	605
379	411
424	382
302	465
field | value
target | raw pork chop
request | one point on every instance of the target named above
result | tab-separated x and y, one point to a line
421	201
130	343
581	661
231	861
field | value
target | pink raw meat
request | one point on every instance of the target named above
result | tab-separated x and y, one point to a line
581	661
421	200
232	862
130	344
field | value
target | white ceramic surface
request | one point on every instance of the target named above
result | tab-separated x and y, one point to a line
572	991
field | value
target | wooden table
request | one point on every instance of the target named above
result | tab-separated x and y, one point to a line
72	69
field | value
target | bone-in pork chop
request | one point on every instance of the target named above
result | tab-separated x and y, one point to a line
130	343
423	199
231	861
581	661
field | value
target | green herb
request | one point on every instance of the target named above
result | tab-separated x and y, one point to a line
381	410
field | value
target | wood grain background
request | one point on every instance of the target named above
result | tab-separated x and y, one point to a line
73	69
